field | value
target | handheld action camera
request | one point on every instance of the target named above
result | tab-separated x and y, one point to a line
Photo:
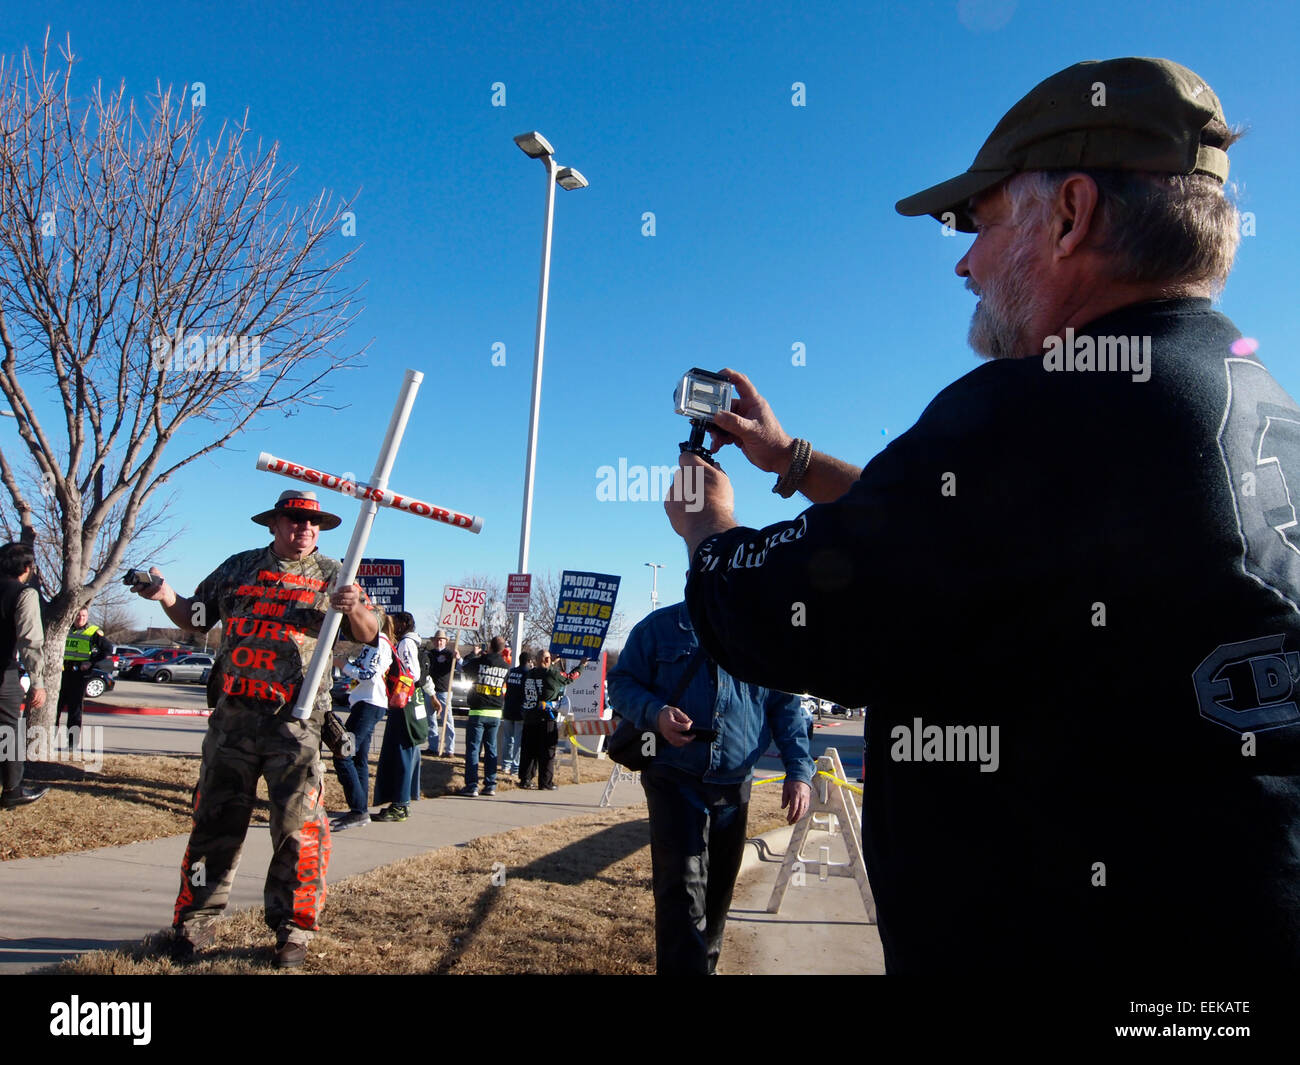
137	578
699	396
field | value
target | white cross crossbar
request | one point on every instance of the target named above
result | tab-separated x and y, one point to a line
372	496
385	497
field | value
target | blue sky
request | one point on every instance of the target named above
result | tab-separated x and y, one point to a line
774	226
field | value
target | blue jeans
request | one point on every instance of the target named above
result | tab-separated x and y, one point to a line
354	772
436	745
511	732
398	777
484	729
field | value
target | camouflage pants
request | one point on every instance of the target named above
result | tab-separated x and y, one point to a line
241	746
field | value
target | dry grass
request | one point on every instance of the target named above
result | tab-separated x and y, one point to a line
572	896
138	797
133	797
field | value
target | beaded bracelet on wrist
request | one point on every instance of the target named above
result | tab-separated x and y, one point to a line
788	483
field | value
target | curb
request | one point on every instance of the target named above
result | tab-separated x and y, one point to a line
159	711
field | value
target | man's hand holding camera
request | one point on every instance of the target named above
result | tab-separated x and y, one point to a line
752	427
746	420
700	501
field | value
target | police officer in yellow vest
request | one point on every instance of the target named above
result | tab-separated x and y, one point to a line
86	645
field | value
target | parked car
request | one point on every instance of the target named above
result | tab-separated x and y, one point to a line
99	681
131	670
816	707
109	663
122	653
185	668
461	686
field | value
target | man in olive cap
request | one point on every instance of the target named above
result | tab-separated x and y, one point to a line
271	602
1073	584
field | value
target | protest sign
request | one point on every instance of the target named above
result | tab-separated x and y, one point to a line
582	614
462	608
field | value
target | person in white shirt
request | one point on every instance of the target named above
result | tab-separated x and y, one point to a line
368	702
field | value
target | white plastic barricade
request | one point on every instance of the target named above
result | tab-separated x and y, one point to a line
832	809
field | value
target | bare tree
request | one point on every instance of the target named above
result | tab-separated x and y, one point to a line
43	531
113	613
495	621
152	281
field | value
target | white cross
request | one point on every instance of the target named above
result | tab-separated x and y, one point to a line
373	496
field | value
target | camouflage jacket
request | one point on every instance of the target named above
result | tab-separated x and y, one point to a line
272	610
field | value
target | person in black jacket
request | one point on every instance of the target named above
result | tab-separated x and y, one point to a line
543	686
485	705
1073	584
512	714
437	663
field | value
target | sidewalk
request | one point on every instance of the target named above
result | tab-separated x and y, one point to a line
822	929
65	905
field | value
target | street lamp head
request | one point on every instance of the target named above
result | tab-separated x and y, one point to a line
570	179
534	144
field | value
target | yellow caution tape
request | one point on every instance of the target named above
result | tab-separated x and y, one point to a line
820	773
842	783
572	736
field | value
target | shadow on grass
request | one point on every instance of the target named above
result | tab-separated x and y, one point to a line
579	862
167	796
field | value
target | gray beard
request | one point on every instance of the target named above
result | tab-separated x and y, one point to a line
1006	307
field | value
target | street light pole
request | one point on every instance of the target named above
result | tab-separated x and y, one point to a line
538	147
655	567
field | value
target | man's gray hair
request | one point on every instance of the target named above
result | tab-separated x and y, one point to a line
1158	228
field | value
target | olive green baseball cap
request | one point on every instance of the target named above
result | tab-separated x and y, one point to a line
1116	114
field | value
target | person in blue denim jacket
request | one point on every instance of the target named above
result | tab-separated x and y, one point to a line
697	789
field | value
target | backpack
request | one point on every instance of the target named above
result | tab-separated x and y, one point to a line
399	682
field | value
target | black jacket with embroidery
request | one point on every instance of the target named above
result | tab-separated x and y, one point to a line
1106	570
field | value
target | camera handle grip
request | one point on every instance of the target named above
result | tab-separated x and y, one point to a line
695	445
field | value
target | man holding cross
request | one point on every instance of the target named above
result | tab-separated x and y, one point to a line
272	603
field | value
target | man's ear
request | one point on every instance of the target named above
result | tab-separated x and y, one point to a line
1074	214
